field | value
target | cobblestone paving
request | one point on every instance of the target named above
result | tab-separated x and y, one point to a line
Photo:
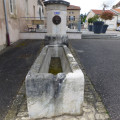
93	108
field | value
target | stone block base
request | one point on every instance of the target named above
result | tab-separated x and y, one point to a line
56	40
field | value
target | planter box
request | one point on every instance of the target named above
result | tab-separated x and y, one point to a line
98	26
90	27
104	28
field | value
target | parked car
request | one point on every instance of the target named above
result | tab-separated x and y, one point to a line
118	28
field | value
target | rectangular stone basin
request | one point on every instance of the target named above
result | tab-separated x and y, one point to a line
50	95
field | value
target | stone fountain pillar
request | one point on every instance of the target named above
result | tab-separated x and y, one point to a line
56	22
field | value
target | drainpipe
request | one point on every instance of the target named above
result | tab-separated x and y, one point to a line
6	21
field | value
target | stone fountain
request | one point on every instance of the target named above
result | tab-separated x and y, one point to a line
55	83
56	22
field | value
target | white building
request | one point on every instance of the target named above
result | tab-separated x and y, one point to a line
112	23
117	11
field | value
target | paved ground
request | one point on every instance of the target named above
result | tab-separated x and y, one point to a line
85	31
15	62
92	109
101	61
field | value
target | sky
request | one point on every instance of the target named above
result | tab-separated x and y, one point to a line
87	5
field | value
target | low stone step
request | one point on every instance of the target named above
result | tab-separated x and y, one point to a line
92	36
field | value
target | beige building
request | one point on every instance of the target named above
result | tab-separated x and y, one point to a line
15	10
73	14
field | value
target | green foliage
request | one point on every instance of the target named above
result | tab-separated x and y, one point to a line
90	20
83	18
93	19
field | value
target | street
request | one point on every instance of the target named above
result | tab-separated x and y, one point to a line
15	63
101	61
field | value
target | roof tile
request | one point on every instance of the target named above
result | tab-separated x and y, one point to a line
118	10
73	7
99	12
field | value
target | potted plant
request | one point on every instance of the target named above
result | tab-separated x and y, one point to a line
106	15
97	24
90	21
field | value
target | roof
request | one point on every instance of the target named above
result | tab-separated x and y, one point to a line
99	12
56	2
73	7
117	10
117	5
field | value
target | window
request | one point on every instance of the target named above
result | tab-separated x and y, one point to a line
40	13
71	12
69	18
33	10
11	6
26	8
74	18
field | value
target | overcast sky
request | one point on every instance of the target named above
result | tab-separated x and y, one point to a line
87	5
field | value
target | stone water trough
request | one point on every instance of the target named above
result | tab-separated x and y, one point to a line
52	94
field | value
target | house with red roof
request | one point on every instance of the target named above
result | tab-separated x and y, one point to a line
112	23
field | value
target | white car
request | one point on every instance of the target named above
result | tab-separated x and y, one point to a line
118	28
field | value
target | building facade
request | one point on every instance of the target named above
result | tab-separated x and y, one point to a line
117	11
73	15
117	5
15	10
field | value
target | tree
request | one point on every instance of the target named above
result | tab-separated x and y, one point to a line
90	20
83	18
107	15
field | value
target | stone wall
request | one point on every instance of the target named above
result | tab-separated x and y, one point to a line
90	14
31	35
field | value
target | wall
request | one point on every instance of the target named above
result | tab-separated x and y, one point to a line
20	7
2	26
90	14
112	23
41	36
118	20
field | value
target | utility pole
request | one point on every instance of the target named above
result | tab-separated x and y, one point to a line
6	21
